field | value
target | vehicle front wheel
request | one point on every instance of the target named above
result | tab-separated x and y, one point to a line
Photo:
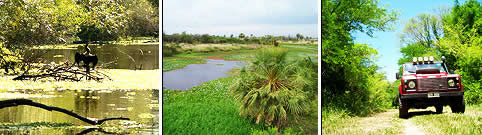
459	105
402	108
439	109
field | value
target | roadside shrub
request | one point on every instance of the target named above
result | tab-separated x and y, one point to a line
472	92
272	91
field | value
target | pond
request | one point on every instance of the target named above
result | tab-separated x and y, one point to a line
141	106
195	74
144	57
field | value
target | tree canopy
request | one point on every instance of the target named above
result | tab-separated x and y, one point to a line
458	40
348	67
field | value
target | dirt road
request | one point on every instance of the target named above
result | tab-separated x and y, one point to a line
420	122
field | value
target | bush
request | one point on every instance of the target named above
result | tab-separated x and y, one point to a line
472	92
169	50
270	90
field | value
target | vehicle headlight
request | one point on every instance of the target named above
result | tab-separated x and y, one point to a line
425	58
411	84
451	82
420	59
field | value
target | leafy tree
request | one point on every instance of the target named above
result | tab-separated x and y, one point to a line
424	29
299	36
37	22
103	20
241	35
143	18
346	66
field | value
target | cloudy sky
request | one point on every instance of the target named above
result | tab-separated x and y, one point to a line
226	17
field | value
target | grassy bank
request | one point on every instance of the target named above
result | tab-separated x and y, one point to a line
210	109
121	79
205	109
220	51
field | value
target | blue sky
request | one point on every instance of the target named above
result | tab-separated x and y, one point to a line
388	43
226	17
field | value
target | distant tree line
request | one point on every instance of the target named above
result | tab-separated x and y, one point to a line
240	39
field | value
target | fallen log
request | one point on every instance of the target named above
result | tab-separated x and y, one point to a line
17	102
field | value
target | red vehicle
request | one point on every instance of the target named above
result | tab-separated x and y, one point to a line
425	83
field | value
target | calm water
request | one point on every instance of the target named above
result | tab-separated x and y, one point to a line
195	74
140	106
112	56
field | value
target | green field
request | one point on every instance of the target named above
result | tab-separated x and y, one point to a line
211	109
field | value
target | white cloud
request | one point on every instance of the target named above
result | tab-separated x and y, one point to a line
223	17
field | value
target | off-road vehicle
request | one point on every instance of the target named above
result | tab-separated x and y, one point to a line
425	82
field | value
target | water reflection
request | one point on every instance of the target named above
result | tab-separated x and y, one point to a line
112	56
195	74
140	106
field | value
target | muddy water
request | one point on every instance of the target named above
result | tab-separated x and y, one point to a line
195	74
110	56
140	106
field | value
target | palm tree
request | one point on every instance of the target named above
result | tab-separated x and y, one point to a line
271	90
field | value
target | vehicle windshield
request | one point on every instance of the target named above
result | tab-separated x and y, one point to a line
410	68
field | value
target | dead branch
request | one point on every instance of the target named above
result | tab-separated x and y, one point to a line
17	102
60	72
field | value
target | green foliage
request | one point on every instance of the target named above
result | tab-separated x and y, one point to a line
143	18
416	50
205	109
102	20
461	45
38	22
9	58
348	68
61	21
273	91
170	50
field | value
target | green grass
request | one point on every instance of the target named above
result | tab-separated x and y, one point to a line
295	51
337	121
205	109
468	123
171	63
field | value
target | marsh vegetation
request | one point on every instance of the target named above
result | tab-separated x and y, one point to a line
214	106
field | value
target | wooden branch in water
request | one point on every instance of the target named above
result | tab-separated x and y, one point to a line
62	72
17	102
